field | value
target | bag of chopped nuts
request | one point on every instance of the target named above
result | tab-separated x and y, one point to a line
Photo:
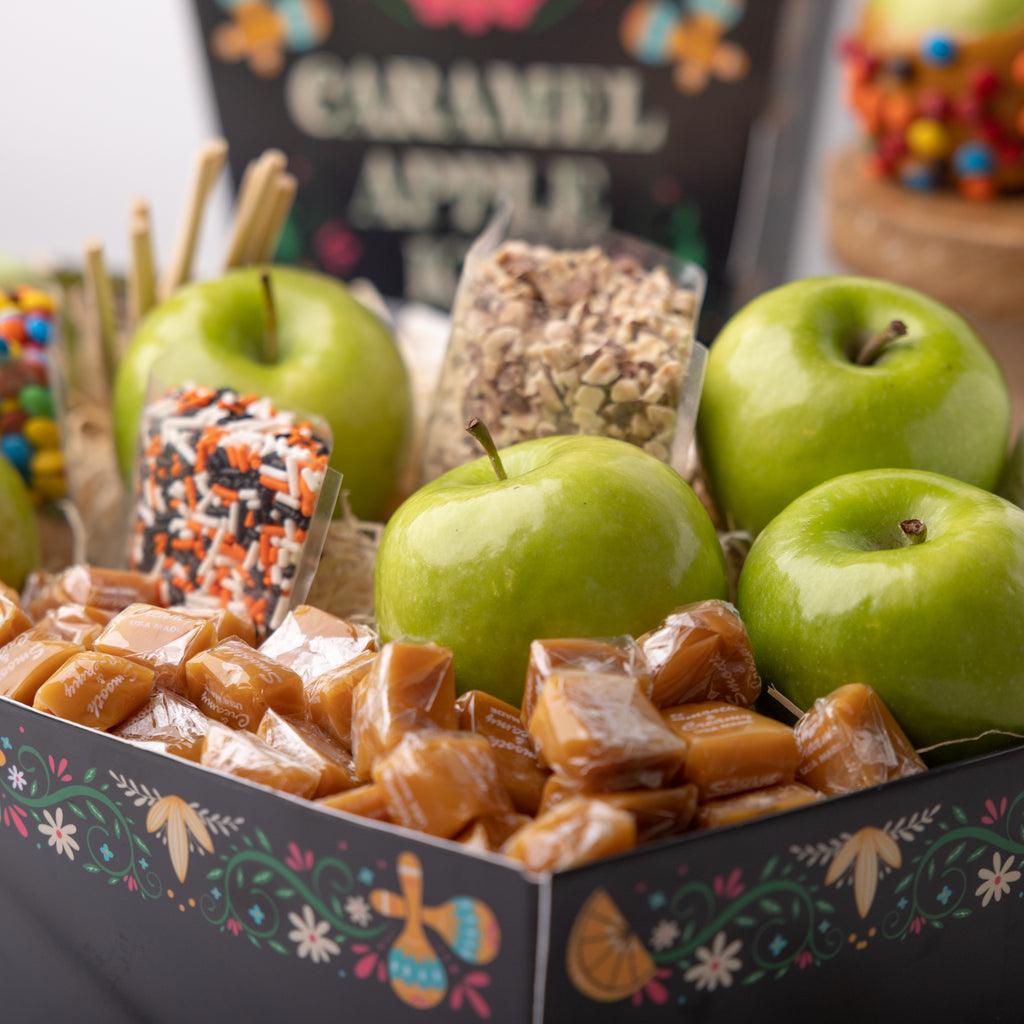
598	339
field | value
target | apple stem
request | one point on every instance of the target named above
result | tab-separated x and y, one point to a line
915	530
869	353
270	334
479	430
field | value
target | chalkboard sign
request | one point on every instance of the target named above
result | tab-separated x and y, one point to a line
406	120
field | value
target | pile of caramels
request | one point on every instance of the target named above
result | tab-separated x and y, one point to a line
619	741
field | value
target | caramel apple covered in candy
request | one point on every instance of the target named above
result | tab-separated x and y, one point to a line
938	93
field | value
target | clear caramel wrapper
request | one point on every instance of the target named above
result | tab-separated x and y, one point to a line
170	721
95	689
438	781
13	619
235	684
657	812
410	686
244	755
490	832
701	652
310	641
226	623
79	623
366	801
330	697
27	661
308	743
576	831
601	730
499	723
621	655
732	748
160	639
110	590
731	810
850	740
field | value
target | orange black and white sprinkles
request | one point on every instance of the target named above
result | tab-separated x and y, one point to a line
227	488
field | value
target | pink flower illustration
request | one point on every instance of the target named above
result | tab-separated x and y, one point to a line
654	990
994	812
298	859
59	769
234	925
15	815
466	990
474	17
804	959
916	925
731	887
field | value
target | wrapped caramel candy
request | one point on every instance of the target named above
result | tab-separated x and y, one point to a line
490	832
409	687
170	721
657	812
366	801
29	660
849	740
576	831
730	810
246	756
310	641
226	623
236	684
111	590
13	619
701	652
499	723
79	623
438	781
329	697
620	655
601	730
732	748
305	741
160	639
95	689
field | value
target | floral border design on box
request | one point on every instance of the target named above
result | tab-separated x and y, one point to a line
294	903
933	868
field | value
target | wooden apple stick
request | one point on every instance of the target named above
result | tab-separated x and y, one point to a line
257	183
141	275
100	293
271	221
208	166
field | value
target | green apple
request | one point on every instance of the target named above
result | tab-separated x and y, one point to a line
20	546
584	537
909	582
797	391
333	358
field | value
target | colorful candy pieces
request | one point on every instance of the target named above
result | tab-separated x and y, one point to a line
227	487
29	435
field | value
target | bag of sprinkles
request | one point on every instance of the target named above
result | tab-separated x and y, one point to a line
233	499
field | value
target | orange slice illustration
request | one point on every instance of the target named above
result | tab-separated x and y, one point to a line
605	960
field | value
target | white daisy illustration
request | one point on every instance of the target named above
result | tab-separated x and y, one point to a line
664	934
59	834
996	882
310	936
715	966
358	910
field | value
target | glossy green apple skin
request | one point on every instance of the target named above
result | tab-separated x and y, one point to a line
336	360
588	537
784	407
20	546
832	592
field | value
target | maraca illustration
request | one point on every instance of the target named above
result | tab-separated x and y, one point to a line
688	34
466	925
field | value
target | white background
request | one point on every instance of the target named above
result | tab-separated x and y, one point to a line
106	100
